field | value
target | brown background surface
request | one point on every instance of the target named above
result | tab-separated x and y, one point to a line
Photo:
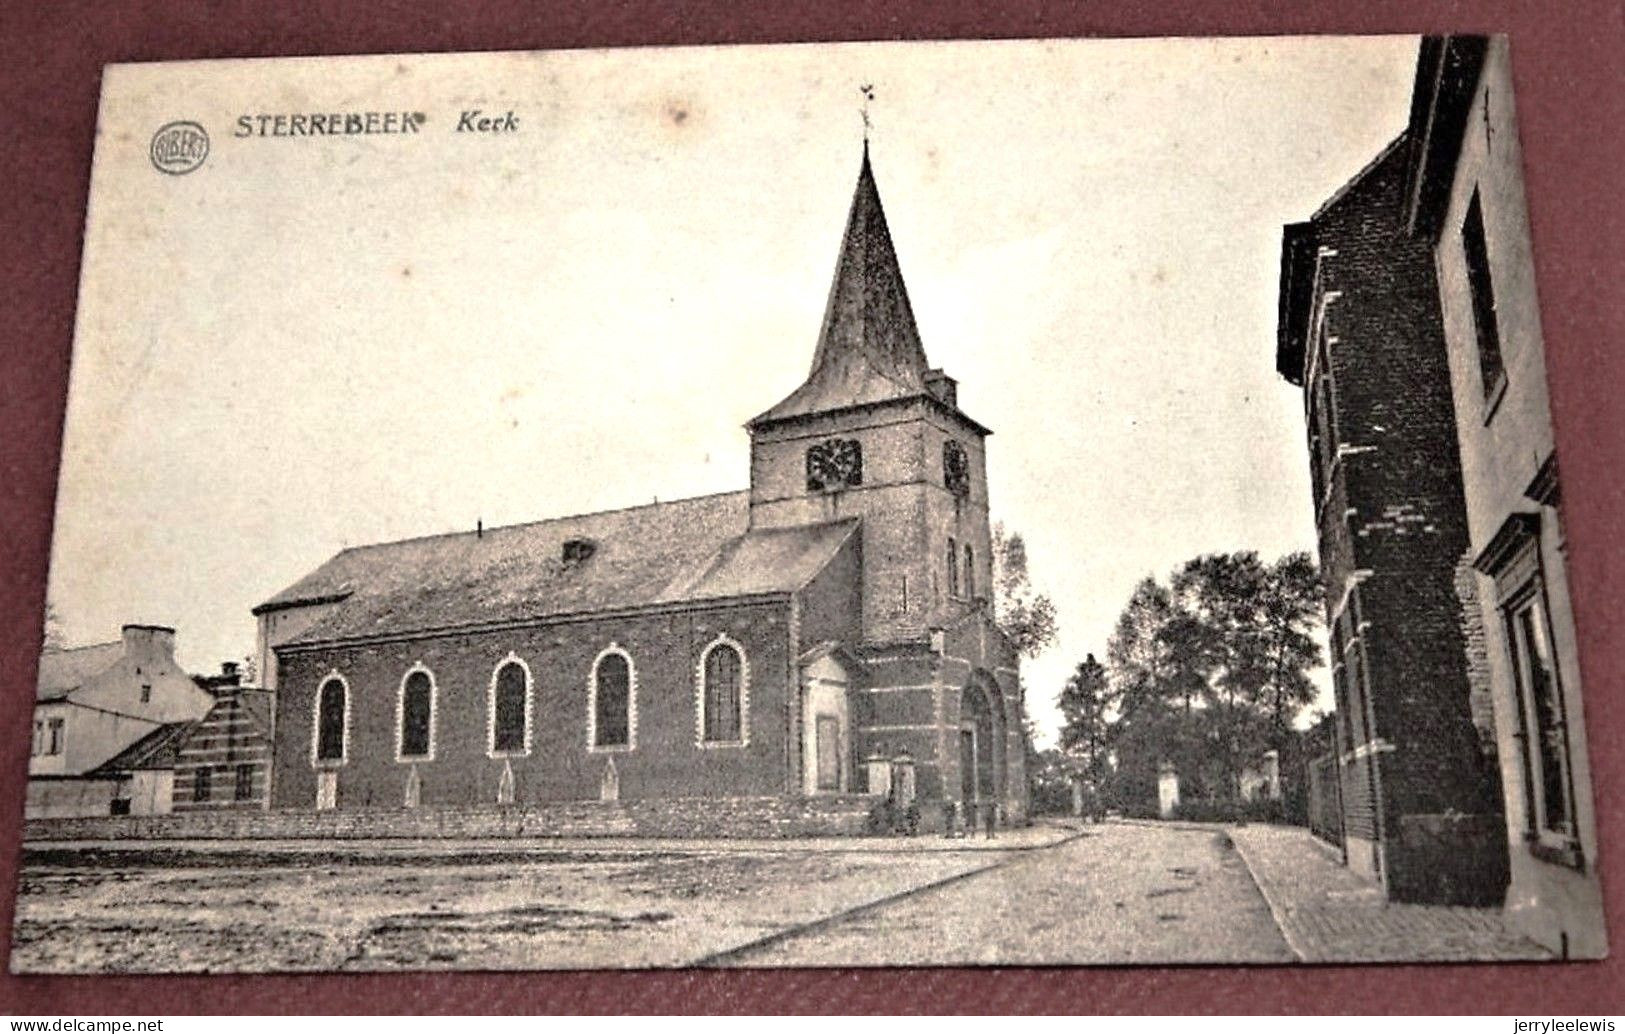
1570	78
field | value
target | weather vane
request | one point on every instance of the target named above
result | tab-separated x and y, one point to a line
868	91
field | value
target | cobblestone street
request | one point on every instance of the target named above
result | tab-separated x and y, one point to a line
1146	892
1121	893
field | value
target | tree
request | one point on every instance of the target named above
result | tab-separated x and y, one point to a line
1085	703
1022	613
1257	618
1210	670
1291	611
1051	782
1140	668
1025	616
1138	650
54	637
1219	595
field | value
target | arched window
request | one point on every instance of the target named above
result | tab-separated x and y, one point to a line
332	706
953	568
510	708
723	694
611	703
414	716
970	573
955	468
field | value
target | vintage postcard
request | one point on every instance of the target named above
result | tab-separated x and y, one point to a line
1025	503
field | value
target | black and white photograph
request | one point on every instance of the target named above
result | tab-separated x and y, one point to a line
979	503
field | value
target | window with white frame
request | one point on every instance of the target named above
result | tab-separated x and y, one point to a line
332	720
414	716
611	706
1513	560
510	708
1547	775
723	694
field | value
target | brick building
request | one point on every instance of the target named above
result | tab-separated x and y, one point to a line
825	634
1361	333
1465	202
223	760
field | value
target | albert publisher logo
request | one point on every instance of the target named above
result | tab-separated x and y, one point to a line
179	147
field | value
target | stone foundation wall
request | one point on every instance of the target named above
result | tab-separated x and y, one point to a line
767	817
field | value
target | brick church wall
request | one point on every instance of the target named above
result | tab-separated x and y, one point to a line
665	761
893	528
908	513
899	712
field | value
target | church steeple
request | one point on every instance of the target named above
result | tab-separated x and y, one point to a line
869	348
877	435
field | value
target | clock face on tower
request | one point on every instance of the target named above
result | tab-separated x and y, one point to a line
955	468
834	463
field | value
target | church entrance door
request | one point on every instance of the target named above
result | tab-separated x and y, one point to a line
967	765
829	752
825	761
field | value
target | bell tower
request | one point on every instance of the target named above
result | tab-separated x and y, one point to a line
875	433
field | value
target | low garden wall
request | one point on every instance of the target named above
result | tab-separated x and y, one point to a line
745	817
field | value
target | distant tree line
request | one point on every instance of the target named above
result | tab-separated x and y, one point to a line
1206	670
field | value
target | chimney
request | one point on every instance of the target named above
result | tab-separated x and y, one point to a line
150	647
943	388
156	641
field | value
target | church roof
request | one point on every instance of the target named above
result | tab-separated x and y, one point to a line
688	550
869	347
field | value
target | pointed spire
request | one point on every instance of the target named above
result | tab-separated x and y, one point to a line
868	317
869	347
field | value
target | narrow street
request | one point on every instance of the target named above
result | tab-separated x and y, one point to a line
1117	894
1051	894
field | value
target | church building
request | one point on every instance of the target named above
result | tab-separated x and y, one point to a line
826	633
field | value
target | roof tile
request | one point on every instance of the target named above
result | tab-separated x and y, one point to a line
681	551
63	671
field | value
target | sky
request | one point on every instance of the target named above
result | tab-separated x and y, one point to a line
312	343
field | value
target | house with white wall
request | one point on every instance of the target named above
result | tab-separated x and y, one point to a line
93	702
